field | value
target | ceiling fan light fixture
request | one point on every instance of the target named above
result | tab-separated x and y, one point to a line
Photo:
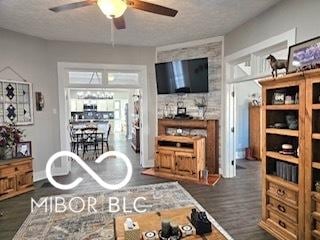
112	8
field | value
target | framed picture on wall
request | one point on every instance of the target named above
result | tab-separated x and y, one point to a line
16	105
304	55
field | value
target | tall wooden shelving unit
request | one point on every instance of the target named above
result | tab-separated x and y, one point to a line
282	199
312	149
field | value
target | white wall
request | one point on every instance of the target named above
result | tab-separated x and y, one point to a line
36	60
284	16
243	91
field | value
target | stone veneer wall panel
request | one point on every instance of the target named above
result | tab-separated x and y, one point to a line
213	51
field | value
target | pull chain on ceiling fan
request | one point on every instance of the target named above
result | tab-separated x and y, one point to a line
112	34
114	9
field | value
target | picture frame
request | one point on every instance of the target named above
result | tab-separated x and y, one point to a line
181	111
16	102
304	55
39	101
23	149
278	98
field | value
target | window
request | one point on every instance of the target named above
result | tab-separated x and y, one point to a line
242	68
279	51
123	78
255	65
88	77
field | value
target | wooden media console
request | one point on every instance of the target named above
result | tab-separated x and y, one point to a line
182	156
211	140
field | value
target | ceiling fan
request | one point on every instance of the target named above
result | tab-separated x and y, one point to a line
114	9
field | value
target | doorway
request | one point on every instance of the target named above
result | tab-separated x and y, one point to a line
108	78
247	121
107	111
247	65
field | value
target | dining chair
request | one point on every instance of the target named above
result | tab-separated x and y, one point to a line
73	140
106	138
89	139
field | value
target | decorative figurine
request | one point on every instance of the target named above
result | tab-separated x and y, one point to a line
317	185
276	64
165	229
292	122
200	221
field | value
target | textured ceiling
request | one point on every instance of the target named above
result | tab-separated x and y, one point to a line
196	19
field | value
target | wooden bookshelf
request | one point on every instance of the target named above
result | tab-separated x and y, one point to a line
312	155
280	189
281	182
316	106
316	136
316	234
286	158
284	132
316	165
283	107
316	216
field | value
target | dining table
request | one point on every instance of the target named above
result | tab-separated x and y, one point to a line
79	134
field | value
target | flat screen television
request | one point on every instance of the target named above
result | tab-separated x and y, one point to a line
186	76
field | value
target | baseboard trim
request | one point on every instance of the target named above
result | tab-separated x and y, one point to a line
148	164
241	154
38	176
41	175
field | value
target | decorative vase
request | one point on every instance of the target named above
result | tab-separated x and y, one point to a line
6	153
3	154
201	112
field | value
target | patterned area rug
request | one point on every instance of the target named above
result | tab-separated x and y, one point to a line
97	226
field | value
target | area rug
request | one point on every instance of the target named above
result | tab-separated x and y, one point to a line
41	225
212	178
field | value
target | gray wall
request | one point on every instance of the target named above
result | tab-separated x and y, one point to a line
28	56
286	15
36	60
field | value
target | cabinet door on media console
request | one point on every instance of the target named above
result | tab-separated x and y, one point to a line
165	160
186	164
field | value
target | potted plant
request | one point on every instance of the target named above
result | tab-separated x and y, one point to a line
202	106
9	136
317	185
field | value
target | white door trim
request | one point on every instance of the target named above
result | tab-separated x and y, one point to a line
289	36
229	146
64	167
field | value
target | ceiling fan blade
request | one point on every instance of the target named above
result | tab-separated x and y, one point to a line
71	6
153	8
119	23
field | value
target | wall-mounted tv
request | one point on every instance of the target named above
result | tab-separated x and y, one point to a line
186	76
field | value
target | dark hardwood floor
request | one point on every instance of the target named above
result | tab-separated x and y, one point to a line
235	203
